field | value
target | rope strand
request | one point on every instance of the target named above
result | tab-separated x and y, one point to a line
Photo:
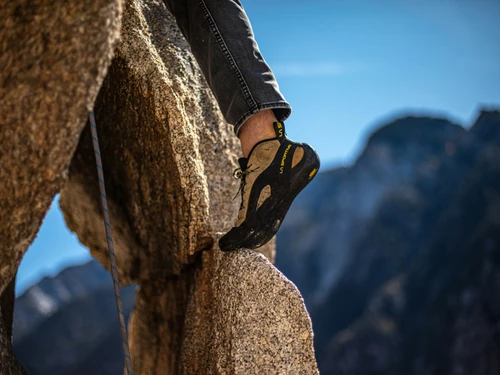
111	249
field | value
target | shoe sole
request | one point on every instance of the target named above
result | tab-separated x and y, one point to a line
264	232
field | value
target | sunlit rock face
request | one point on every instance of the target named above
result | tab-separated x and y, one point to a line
168	158
53	58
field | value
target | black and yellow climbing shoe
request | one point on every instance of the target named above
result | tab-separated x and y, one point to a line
276	170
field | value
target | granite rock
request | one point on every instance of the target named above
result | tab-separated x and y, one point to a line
167	153
53	59
242	317
8	364
168	157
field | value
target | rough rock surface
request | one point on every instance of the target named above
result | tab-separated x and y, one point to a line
168	155
168	158
244	317
53	58
8	365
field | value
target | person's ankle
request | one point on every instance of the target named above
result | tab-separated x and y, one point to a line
255	129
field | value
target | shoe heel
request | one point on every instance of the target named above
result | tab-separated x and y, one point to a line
312	161
309	168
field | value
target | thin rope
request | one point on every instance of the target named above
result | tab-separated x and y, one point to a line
111	249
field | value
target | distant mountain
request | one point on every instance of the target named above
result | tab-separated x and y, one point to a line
397	257
407	218
45	298
328	218
69	325
440	313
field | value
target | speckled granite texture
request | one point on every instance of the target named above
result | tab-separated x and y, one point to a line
168	158
242	316
53	59
52	64
168	155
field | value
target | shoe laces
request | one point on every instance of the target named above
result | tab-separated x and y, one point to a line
240	174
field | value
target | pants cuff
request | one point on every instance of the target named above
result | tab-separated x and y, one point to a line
282	111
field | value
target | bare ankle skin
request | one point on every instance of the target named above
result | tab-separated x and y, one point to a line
255	129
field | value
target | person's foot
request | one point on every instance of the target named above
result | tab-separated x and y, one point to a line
275	171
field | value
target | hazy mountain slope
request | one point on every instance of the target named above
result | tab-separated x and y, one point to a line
45	298
79	333
327	219
441	314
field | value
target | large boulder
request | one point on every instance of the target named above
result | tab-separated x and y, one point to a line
168	157
53	58
234	313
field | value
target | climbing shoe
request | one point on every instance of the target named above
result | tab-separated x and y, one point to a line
275	171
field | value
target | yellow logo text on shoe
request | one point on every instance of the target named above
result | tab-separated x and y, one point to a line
282	168
311	175
280	129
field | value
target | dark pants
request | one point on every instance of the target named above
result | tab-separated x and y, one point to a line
223	43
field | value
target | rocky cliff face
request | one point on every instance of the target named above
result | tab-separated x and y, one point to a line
168	157
54	293
326	220
52	65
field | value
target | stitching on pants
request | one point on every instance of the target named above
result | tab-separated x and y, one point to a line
227	54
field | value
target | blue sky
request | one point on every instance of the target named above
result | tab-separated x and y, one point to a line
346	66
